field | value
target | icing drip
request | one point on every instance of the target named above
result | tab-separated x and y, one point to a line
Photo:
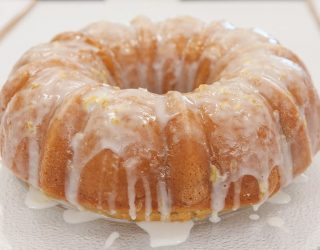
237	191
158	68
280	198
161	233
218	197
164	200
264	194
163	194
35	199
257	206
161	112
72	182
303	178
33	162
40	95
72	216
112	195
254	217
277	222
214	218
130	166
112	237
286	162
249	157
148	202
166	233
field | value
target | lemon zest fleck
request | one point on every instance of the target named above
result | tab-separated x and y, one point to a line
214	174
115	121
29	125
35	85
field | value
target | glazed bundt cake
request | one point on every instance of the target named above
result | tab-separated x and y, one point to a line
174	120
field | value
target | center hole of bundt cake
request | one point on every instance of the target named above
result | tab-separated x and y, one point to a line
162	77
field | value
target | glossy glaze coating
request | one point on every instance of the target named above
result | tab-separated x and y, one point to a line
159	121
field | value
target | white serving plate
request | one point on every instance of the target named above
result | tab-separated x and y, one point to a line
25	229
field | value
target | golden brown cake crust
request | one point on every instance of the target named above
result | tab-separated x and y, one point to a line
175	120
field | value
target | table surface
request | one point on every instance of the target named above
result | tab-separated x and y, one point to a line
289	21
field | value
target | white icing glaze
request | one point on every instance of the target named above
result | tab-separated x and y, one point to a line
236	200
166	233
257	206
112	196
148	199
45	89
254	217
110	240
129	122
33	162
161	233
286	157
303	178
244	103
280	198
73	216
35	199
277	222
164	200
214	218
161	111
130	166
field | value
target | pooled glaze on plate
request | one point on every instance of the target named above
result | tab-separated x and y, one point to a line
166	233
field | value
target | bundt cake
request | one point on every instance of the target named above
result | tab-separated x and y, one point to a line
174	120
